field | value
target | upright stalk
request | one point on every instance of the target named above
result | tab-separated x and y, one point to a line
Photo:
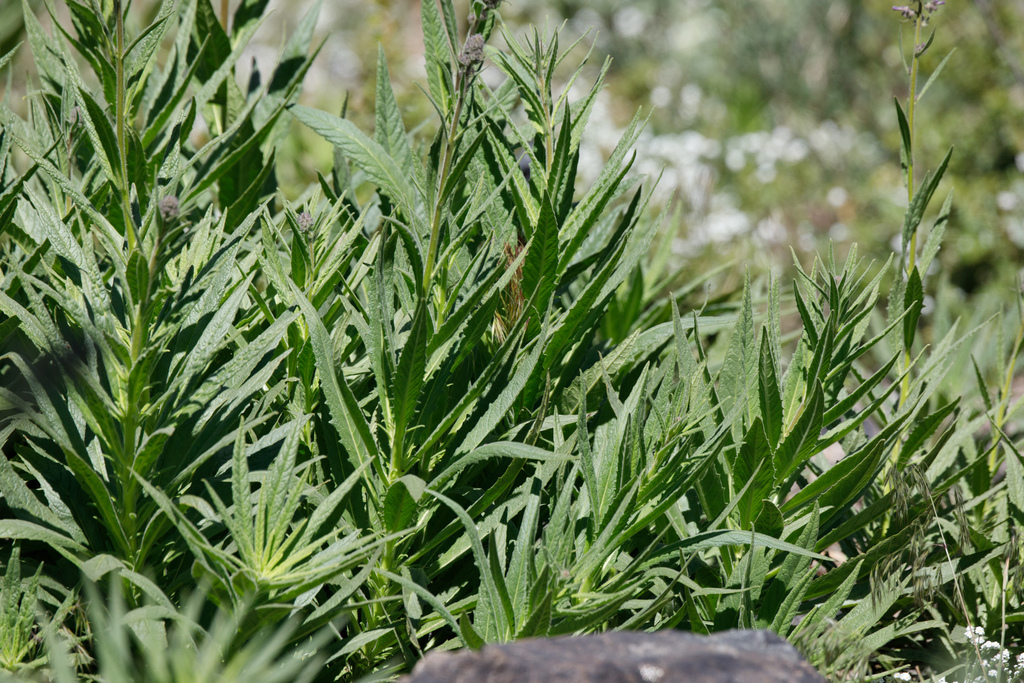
120	124
442	175
468	60
918	20
918	12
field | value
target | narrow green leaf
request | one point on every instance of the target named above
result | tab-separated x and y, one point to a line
587	464
389	131
540	266
497	449
986	393
368	154
101	133
1014	475
865	388
44	56
466	631
17	529
769	520
18	497
506	395
934	241
346	415
438	56
925	427
607	185
207	26
466	155
489	580
168	106
247	16
801	439
241	493
729	537
409	377
139	53
935	74
753	469
922	197
138	277
521	562
843	481
509	621
913	301
769	392
836	598
451	24
538	624
399	507
10	55
905	145
738	374
782	600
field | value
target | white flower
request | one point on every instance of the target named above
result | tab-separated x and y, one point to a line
837	196
1006	201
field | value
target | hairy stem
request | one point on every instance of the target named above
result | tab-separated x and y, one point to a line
120	125
910	122
462	81
912	258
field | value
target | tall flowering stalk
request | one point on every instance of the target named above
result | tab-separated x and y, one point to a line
910	291
470	59
919	13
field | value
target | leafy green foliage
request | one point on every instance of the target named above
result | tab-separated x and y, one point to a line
437	401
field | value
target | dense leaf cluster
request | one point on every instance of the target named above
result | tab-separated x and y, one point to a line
436	401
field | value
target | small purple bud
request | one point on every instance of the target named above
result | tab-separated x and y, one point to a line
472	51
169	207
305	220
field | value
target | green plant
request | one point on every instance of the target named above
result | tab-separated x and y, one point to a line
135	348
157	644
18	644
437	402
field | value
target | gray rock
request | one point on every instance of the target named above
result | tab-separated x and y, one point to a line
625	657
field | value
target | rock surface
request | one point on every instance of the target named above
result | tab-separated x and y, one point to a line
625	657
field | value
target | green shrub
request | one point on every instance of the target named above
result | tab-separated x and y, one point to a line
435	401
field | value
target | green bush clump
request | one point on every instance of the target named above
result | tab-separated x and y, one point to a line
436	401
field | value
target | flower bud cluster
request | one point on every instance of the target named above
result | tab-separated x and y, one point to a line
911	12
473	51
169	207
305	221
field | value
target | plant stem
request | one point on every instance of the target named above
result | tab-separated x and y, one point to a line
442	175
918	20
462	80
912	251
120	124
